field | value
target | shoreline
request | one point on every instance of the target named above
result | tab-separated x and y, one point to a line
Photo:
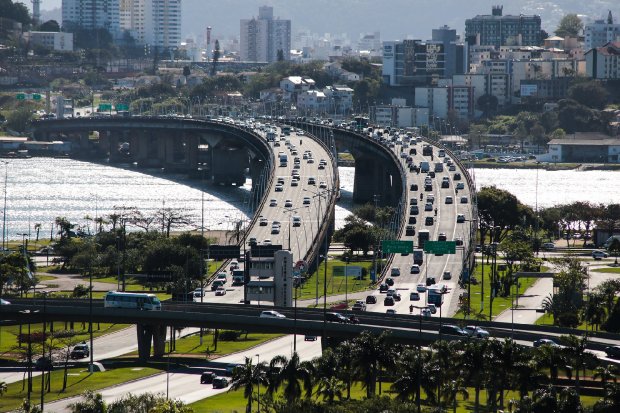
547	166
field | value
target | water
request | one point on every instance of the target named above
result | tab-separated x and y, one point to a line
554	187
41	189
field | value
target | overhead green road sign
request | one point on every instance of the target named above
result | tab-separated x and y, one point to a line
20	96
122	106
440	247
36	96
105	106
397	247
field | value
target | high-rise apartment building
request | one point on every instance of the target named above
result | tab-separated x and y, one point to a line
91	14
262	38
601	32
411	62
153	22
495	29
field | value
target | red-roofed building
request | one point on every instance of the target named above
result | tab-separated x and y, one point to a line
604	62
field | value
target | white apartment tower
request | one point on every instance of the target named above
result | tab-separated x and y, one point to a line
91	14
601	32
261	38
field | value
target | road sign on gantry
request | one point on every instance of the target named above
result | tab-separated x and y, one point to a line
440	247
397	247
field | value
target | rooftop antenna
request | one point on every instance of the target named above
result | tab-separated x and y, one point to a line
36	11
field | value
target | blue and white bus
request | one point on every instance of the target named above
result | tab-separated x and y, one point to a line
139	301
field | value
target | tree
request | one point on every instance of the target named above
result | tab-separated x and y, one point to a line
296	374
591	94
186	71
215	58
330	388
614	249
570	26
247	376
3	388
408	380
500	208
90	402
451	390
19	120
369	351
169	218
487	104
50	26
577	354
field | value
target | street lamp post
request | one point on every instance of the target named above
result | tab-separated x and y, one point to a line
43	351
258	382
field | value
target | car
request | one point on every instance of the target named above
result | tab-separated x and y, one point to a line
613	352
413	221
4	302
80	351
216	284
294	182
442	236
445	184
396	296
388	301
460	185
306	200
311	180
234	264
447	275
321	166
415	269
413	187
371	299
383	288
449	200
275	230
421	288
453	330
389	281
413	201
271	314
43	363
425	312
597	254
432	308
460	218
263	222
429	221
414	296
458	241
309	337
267	241
457	177
273	203
322	185
430	281
475	331
428	206
335	318
288	203
310	160
545	342
548	246
395	272
359	305
220	383
409	230
464	200
414	210
220	291
221	277
430	198
390	311
452	168
207	377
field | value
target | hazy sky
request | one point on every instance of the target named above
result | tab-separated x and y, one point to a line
393	18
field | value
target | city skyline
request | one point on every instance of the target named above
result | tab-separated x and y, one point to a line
362	17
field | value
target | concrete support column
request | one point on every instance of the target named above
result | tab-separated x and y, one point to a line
145	334
368	180
113	140
159	340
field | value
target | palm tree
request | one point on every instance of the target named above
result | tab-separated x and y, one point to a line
295	373
247	376
345	370
606	373
408	378
475	364
502	358
369	350
576	351
451	390
330	388
237	233
552	358
527	376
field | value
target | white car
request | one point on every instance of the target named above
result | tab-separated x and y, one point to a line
597	254
271	314
306	200
475	331
288	203
425	312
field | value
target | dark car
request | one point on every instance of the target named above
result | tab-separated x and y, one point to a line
545	342
336	318
413	221
80	351
430	281
429	221
389	300
413	187
409	230
207	377
457	177
389	281
453	330
383	288
371	299
613	352
220	383
310	337
43	363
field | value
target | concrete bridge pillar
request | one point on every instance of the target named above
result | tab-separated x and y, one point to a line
369	179
147	334
228	165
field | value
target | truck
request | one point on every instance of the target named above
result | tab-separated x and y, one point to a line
423	236
238	277
418	255
442	153
438	167
427	150
283	159
271	136
286	130
435	295
424	167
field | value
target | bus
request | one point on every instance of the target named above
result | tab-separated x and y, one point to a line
360	122
286	130
139	301
423	236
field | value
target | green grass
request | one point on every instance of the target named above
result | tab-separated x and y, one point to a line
499	303
335	284
8	334
191	344
607	270
547	320
79	380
